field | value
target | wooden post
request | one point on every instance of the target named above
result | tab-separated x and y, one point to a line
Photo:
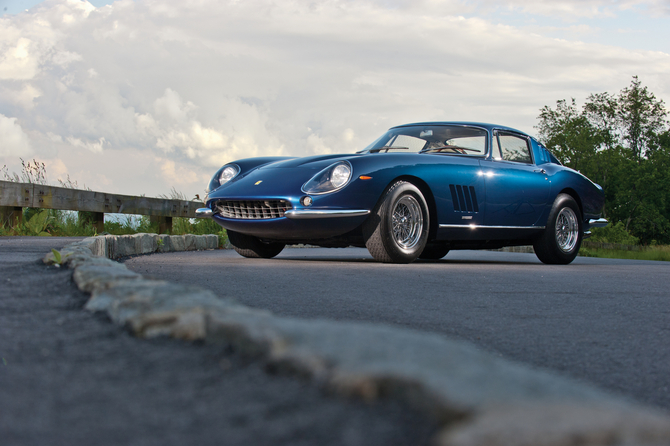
164	223
95	219
10	215
99	222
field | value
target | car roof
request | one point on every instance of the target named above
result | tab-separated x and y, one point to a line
463	123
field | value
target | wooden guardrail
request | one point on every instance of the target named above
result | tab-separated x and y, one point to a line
15	196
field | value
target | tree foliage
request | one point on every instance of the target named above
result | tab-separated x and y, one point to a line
621	142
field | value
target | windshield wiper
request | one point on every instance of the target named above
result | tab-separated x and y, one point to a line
387	148
452	149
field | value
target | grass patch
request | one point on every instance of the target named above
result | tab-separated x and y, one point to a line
660	253
48	222
615	242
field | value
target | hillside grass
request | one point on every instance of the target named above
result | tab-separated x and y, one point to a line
56	223
660	252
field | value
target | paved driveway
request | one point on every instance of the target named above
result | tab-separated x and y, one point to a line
600	320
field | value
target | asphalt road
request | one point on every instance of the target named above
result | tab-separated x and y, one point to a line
70	377
604	321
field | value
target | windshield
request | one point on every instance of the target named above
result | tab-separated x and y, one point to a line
444	139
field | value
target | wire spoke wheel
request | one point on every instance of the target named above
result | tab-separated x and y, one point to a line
559	243
407	222
567	230
397	230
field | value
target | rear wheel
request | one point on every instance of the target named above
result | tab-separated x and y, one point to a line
397	230
252	247
560	242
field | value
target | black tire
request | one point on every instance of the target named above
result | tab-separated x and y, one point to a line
560	242
434	252
252	247
404	205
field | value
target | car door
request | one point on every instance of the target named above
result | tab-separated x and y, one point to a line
517	190
461	192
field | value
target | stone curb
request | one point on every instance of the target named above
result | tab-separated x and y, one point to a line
116	246
479	399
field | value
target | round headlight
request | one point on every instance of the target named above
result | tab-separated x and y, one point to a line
330	179
227	174
340	175
222	176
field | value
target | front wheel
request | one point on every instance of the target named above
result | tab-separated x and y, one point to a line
562	238
397	231
252	247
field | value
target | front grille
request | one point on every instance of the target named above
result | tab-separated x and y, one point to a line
252	209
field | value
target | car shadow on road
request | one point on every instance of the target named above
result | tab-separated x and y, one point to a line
416	262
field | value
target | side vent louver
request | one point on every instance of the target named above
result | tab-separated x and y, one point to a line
464	198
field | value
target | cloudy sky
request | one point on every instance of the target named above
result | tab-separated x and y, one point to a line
137	97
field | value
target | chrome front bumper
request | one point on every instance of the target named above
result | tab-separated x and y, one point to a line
308	214
203	213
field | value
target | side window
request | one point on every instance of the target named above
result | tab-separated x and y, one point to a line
514	148
553	158
496	154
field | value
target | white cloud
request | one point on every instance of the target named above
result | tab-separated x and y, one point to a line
23	95
93	146
171	106
188	86
175	126
179	176
13	141
16	62
574	9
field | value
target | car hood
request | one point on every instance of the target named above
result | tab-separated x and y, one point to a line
317	162
282	179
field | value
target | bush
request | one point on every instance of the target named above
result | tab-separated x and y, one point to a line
613	233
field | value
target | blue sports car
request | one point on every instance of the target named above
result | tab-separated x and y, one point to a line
418	191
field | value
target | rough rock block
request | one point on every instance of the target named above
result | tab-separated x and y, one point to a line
164	243
212	241
559	425
178	243
145	243
188	324
124	246
152	307
189	242
101	275
67	252
97	245
200	243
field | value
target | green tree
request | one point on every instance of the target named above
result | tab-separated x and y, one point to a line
622	143
569	133
632	120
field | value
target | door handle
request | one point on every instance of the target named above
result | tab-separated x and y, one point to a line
542	171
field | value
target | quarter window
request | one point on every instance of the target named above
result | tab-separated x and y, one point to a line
512	148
